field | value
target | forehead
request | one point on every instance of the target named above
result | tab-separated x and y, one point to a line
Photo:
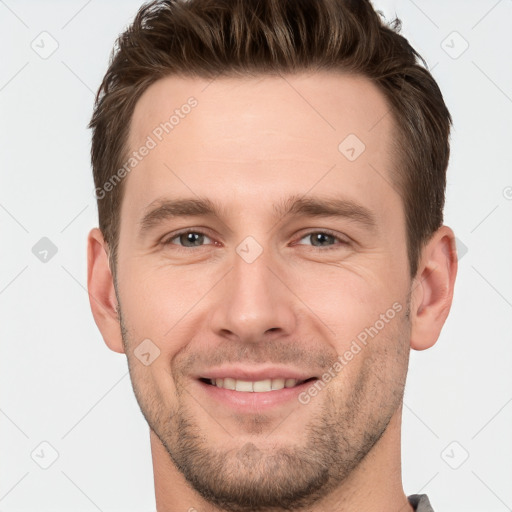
332	103
242	133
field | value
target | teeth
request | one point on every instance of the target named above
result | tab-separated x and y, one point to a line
277	383
254	386
243	385
289	383
262	385
227	384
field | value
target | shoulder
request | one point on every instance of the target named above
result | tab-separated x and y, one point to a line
420	502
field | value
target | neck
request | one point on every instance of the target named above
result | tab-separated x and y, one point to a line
375	485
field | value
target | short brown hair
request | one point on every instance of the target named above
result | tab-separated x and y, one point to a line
208	38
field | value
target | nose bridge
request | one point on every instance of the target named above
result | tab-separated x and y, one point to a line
252	279
254	300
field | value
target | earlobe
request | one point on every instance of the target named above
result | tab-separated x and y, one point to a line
432	292
102	297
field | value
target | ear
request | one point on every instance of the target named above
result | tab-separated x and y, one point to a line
432	289
102	297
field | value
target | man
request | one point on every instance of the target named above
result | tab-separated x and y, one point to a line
270	179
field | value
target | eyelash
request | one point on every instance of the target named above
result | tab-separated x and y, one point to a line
199	232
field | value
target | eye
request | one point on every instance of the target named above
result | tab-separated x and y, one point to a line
189	239
321	239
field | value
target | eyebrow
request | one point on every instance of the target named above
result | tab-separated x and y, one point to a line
163	209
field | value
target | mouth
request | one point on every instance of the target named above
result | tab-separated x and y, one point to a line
258	386
253	396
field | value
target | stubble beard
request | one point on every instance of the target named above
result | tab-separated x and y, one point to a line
253	478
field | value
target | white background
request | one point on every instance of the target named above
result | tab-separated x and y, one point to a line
60	384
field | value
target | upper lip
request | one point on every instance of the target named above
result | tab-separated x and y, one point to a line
255	374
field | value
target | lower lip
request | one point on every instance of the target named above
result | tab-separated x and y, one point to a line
246	401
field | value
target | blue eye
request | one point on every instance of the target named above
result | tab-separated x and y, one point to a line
189	239
321	239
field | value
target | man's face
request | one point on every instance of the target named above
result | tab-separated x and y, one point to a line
257	293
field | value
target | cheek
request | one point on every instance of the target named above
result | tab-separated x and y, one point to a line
156	300
375	358
154	391
162	305
349	300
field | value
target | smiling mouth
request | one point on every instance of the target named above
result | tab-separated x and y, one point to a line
260	386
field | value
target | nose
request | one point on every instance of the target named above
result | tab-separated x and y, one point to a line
254	301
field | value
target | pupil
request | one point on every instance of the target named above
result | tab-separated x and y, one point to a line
321	237
191	237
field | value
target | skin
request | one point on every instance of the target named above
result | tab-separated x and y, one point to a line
248	144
